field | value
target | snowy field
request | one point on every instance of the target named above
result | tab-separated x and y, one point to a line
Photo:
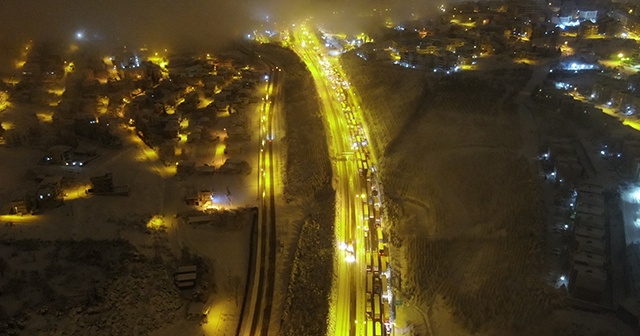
127	247
463	201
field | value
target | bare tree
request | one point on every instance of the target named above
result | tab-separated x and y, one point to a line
4	266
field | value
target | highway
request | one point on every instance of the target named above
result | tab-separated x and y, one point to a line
358	304
256	318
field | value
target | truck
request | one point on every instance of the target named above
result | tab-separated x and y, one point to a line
365	217
368	259
369	307
376	307
382	248
386	312
383	264
384	285
369	282
376	265
122	190
378	329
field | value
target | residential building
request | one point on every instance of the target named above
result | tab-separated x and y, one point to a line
587	283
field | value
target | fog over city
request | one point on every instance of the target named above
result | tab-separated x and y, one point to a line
200	22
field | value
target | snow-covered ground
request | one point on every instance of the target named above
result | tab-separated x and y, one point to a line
152	218
462	196
305	196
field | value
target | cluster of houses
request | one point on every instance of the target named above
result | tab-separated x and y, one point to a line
562	161
590	255
189	99
42	63
585	226
469	30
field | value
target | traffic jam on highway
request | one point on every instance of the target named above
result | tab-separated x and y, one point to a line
378	296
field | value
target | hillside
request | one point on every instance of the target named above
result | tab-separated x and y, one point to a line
306	225
462	204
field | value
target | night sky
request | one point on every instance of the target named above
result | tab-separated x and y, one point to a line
138	21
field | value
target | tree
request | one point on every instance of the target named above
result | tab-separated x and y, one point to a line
4	266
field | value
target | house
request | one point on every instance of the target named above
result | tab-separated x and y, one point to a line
20	206
233	166
587	28
49	193
201	198
197	310
59	154
185	167
103	183
206	169
233	148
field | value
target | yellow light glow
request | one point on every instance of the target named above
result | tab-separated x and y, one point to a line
17	218
56	91
156	223
77	192
158	60
69	68
204	102
45	116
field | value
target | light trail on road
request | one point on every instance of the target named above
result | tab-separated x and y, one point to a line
354	181
257	317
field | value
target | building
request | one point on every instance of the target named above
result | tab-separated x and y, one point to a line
102	183
587	220
186	167
589	259
629	312
587	283
593	199
569	167
589	232
20	206
590	209
588	28
59	154
630	156
185	277
562	147
49	192
590	188
202	198
590	246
